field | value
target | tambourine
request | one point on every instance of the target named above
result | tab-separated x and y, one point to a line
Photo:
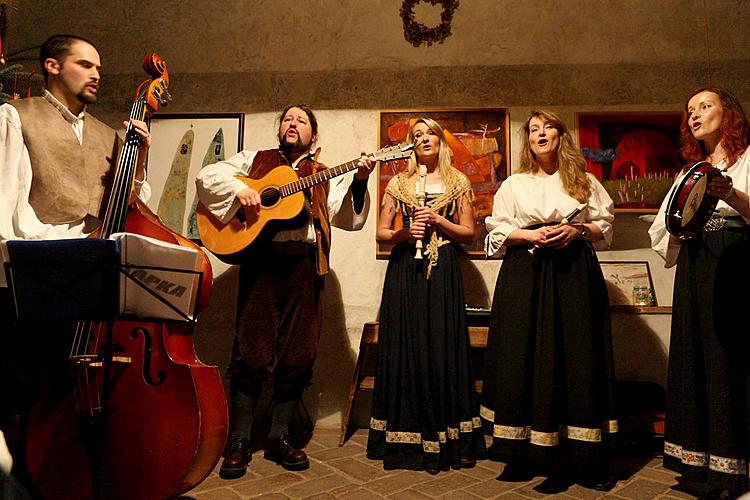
689	206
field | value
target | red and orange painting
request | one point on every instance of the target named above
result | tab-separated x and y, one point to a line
478	139
634	155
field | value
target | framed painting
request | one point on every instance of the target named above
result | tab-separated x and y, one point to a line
634	155
629	283
182	145
479	141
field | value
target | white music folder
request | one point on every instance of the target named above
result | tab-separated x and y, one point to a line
157	273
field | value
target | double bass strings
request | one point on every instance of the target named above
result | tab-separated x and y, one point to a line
114	219
87	334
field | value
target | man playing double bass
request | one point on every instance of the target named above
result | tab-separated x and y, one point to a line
279	310
56	164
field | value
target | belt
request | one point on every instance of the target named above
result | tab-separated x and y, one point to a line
717	223
293	248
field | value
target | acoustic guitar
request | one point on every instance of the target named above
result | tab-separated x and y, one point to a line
282	198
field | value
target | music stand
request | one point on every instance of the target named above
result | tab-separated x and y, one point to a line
67	281
63	280
79	280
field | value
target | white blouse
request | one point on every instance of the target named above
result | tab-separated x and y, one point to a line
524	199
669	248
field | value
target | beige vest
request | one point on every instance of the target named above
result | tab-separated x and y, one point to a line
70	180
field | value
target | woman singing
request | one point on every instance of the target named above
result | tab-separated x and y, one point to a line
547	399
707	432
425	409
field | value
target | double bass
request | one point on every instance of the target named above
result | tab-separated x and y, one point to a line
143	417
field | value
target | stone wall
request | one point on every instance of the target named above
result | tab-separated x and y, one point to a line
348	60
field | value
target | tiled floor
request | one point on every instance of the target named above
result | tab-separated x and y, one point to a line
346	473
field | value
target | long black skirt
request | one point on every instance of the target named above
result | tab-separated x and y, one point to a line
548	391
707	431
425	412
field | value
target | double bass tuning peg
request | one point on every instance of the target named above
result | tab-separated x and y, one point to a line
161	94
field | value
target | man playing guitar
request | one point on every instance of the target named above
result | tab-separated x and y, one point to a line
279	309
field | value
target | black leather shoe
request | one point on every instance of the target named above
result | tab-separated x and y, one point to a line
605	484
601	483
235	464
281	451
553	485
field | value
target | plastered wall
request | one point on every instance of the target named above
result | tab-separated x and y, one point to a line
348	60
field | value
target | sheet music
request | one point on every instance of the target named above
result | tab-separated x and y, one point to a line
175	287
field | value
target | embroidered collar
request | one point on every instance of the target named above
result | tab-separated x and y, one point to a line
65	112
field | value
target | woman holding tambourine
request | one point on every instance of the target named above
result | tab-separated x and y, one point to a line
708	388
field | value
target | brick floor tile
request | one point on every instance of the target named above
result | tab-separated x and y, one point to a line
314	446
659	475
310	487
269	484
362	494
335	452
691	490
361	472
490	488
394	481
213	481
345	490
321	496
447	481
347	473
483	470
271	496
410	494
217	494
578	491
528	490
359	438
317	469
461	494
642	489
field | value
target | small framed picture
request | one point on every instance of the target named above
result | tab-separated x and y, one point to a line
629	283
635	155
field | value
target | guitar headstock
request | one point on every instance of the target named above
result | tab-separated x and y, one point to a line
391	153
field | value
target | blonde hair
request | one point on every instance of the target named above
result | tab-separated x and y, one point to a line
570	162
445	157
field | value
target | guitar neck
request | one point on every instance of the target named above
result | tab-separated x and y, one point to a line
322	176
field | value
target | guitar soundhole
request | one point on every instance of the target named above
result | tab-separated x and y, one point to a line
269	197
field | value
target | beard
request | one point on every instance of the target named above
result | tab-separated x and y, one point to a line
295	146
86	97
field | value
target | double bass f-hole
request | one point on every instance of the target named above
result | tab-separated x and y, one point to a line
161	375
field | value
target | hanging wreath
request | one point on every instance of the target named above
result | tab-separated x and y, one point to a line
417	33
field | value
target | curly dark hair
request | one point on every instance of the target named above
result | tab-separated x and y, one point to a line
735	129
